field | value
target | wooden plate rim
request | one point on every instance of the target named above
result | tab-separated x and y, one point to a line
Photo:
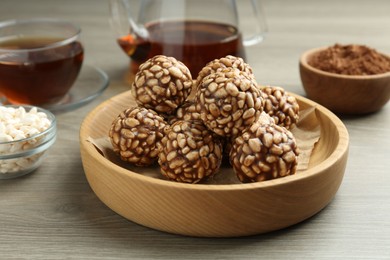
339	152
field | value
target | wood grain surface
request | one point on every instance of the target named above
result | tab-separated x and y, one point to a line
53	213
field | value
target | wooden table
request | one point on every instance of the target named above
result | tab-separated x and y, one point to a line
53	213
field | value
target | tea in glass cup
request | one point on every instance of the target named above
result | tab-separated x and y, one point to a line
40	60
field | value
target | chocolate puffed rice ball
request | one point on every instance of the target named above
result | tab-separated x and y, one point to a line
190	152
187	112
229	101
135	134
281	106
226	62
162	83
264	151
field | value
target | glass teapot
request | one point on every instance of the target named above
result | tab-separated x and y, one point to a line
194	32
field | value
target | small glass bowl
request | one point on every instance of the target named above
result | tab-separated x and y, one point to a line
23	156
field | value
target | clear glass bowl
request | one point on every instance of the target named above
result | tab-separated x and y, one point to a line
23	156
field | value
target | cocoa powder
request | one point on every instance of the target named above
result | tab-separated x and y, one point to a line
351	60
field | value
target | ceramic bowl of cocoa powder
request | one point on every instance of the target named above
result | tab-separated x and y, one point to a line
347	79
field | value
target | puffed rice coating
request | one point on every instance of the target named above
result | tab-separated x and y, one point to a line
264	151
229	101
135	135
190	152
162	83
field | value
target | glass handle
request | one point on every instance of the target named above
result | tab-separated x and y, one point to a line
252	21
119	18
122	21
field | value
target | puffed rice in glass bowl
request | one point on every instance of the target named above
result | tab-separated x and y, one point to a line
26	132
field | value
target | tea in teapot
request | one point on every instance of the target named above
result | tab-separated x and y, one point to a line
194	32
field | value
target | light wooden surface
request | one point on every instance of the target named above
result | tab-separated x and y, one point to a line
53	213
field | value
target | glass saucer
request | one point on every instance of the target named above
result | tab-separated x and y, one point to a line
90	83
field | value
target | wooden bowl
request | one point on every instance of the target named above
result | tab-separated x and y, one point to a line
215	210
344	94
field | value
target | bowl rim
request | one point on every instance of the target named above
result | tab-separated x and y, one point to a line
340	150
304	58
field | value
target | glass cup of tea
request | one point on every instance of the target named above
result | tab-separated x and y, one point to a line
40	60
194	32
